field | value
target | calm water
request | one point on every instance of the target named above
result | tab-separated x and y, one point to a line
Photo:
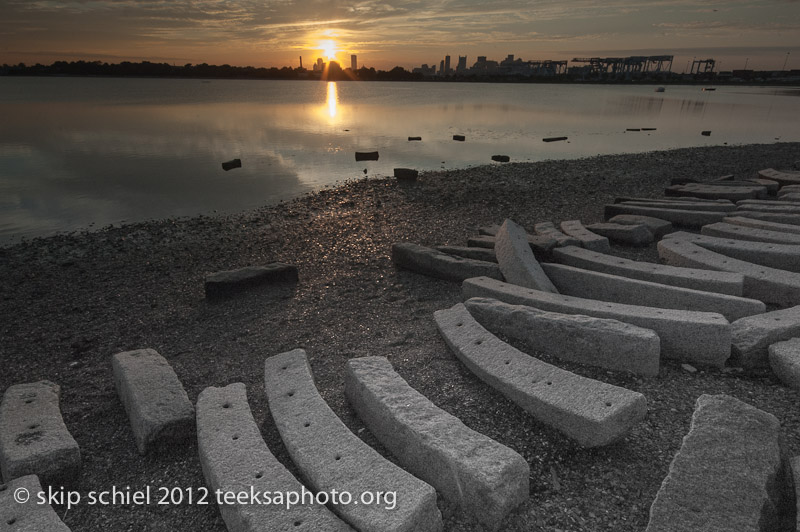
78	153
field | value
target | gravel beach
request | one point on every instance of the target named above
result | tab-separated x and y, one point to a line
70	302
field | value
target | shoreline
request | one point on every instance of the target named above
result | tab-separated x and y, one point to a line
71	301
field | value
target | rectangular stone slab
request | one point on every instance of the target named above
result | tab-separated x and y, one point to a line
516	259
678	217
762	224
778	256
752	336
767	284
622	199
29	516
697	279
590	412
475	253
618	289
730	474
688	206
539	244
588	240
788	189
330	457
434	263
783	178
776	208
777	217
158	408
698	337
632	235
601	342
658	227
767	203
235	459
784	359
228	282
716	191
482	477
740	232
547	229
33	437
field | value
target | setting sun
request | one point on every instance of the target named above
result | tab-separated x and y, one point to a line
329	49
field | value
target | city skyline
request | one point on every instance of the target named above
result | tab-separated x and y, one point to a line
397	33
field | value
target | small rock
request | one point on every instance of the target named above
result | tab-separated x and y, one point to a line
689	368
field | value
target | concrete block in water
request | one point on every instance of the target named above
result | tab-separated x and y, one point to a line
157	405
330	457
482	477
406	174
591	412
516	259
33	437
606	343
731	473
235	460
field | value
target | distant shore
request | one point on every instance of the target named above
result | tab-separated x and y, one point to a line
71	301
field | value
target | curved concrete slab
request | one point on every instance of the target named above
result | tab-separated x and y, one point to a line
433	263
591	412
778	256
762	224
752	336
699	337
609	344
606	287
696	279
588	240
658	227
475	253
235	459
788	189
740	232
158	408
29	516
767	284
33	437
516	259
538	243
330	457
632	235
480	476
776	208
622	199
731	473
699	190
784	359
680	217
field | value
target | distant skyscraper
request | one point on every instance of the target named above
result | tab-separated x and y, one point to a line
353	62
462	63
441	67
301	61
319	66
446	65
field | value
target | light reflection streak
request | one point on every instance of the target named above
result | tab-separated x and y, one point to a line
332	99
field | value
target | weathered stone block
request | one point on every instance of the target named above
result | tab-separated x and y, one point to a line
657	226
475	253
434	263
762	224
482	477
741	232
29	516
633	235
547	229
676	216
586	340
778	256
330	457
752	336
158	408
33	437
225	283
588	240
731	473
516	259
591	412
784	359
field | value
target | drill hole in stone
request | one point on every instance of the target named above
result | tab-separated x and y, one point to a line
290	394
12	521
259	474
306	424
226	405
338	457
478	342
235	437
608	403
33	426
298	523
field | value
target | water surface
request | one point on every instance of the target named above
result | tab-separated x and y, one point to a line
82	152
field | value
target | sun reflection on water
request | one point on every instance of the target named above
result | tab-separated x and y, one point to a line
332	99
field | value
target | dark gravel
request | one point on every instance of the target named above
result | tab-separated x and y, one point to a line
69	302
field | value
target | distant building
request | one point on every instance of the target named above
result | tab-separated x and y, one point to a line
353	62
441	67
425	70
462	64
447	65
319	66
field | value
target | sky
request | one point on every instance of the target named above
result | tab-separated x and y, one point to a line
761	34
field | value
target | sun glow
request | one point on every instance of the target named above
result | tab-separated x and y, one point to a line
328	48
